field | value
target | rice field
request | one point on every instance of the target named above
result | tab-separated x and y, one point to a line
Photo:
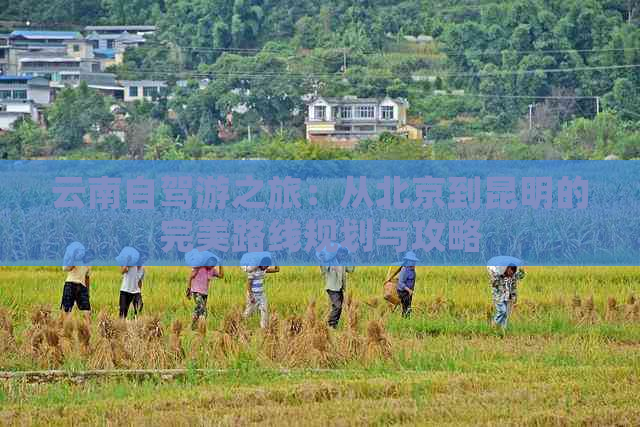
571	354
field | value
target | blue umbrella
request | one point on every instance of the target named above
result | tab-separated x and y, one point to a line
499	264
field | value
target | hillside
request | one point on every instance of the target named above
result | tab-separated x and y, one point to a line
522	79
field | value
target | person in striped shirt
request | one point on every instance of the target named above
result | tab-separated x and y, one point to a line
256	298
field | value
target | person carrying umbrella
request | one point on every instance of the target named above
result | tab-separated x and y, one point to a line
406	274
334	271
504	274
205	266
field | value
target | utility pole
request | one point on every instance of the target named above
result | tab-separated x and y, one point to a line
344	61
530	116
249	132
597	105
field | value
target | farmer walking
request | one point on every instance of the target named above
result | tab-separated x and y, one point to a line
78	281
256	297
335	276
132	271
205	266
504	274
406	275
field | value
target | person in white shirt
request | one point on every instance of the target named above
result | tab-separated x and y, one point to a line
131	288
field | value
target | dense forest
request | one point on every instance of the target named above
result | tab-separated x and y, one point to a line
519	79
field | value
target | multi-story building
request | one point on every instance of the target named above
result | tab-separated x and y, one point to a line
22	88
41	40
346	121
4	53
110	42
45	53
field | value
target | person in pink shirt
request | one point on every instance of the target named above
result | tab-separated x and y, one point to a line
198	288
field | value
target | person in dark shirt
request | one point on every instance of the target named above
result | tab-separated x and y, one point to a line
406	282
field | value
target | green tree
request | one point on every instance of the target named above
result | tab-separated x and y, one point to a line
112	145
584	139
161	145
77	112
197	112
623	100
29	138
246	22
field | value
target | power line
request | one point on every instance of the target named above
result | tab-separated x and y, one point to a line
149	45
541	51
542	70
254	74
496	96
627	111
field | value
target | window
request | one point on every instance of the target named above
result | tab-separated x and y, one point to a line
320	112
367	128
149	91
76	48
2	53
365	112
95	44
110	44
387	112
20	94
95	68
133	91
346	112
5	94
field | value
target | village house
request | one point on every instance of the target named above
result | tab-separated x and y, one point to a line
346	121
12	110
105	83
138	30
138	90
111	41
4	53
23	88
45	53
22	96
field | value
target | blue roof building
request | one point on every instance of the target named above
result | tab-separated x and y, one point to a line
44	35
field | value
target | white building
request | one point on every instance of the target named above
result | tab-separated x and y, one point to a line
348	120
137	90
10	111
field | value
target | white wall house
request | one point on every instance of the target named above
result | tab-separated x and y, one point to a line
348	120
137	90
10	111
